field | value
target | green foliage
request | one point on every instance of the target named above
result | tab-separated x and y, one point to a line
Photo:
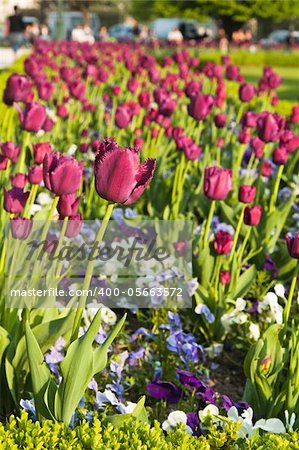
272	370
81	363
22	433
237	10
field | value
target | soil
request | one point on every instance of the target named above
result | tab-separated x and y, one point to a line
229	378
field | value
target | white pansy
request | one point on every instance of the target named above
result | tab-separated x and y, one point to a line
290	420
272	425
72	149
44	199
175	418
240	304
35	209
279	290
108	316
126	409
208	411
40	133
270	298
254	331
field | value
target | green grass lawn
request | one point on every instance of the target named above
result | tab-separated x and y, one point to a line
289	90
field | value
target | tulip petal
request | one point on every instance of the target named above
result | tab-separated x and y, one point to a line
115	174
144	176
66	177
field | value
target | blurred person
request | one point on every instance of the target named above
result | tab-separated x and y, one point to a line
77	33
15	29
88	34
103	34
290	39
44	32
144	34
223	42
175	36
136	30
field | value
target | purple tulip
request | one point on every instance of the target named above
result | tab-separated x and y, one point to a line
35	174
68	205
10	151
15	200
40	150
293	245
217	182
18	180
122	117
247	193
246	92
200	106
220	120
20	227
18	89
74	226
33	117
267	127
62	174
119	177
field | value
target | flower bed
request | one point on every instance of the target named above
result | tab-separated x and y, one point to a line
172	149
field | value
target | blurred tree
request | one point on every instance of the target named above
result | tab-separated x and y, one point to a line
231	13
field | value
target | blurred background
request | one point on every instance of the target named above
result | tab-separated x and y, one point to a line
266	23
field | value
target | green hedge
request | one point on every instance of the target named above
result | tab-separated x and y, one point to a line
22	433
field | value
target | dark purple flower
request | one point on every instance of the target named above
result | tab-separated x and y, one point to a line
164	390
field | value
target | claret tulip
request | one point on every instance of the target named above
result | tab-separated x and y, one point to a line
119	177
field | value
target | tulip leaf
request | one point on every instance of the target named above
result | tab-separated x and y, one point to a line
77	370
139	413
40	374
100	355
244	282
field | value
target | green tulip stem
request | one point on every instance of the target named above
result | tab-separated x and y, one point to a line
209	221
25	143
88	274
275	189
237	233
30	201
287	308
243	246
90	194
58	248
38	262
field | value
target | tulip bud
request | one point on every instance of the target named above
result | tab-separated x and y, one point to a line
217	182
246	92
267	128
33	117
17	89
252	215
20	227
295	114
280	156
244	137
77	90
249	119
62	174
3	162
247	193
222	243
200	106
265	364
224	277
119	177
266	169
62	111
68	205
232	72
40	150
74	226
220	120
18	180
10	151
15	200
293	245
35	174
122	117
144	99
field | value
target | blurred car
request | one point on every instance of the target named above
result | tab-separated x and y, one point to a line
71	19
122	32
278	37
190	29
